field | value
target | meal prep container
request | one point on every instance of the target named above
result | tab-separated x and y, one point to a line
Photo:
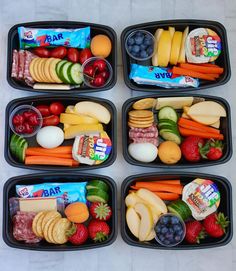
13	43
9	191
225	127
110	128
225	206
223	60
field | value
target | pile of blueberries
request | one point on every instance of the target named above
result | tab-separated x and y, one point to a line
140	45
169	230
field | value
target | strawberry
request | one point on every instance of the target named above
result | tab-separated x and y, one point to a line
100	211
215	224
190	148
77	234
212	150
98	230
194	232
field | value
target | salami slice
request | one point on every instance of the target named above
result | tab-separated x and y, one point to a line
14	69
154	141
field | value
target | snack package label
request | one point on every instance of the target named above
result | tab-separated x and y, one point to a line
202	196
205	45
70	192
37	37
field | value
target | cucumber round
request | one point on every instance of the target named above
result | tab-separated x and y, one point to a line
18	146
171	135
180	208
97	184
97	195
63	72
13	144
166	122
58	66
169	113
75	74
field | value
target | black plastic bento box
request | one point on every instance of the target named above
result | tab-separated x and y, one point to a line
111	129
225	206
13	43
9	191
223	60
225	128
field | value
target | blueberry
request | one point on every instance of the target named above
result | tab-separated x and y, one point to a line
143	54
130	41
139	34
164	230
130	48
135	49
161	237
148	40
165	220
180	232
143	47
166	242
177	228
150	50
177	238
174	220
138	40
158	229
171	230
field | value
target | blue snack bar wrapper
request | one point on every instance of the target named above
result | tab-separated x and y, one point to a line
150	75
70	192
40	37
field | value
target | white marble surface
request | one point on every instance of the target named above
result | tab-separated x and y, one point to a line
118	14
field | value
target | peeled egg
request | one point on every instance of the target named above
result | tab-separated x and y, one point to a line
50	137
143	152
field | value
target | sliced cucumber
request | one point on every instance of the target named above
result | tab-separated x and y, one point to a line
180	208
97	184
13	144
166	122
169	113
20	151
63	73
97	195
18	146
58	66
75	74
171	135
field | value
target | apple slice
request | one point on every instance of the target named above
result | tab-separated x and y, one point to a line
181	58
152	199
132	199
146	224
151	236
157	38
133	221
207	108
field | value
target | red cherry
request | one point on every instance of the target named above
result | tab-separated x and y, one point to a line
89	70
18	119
28	129
100	65
27	114
98	81
105	74
33	120
20	129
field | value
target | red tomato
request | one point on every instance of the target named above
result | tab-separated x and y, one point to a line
73	55
41	52
51	121
58	52
44	110
56	108
84	55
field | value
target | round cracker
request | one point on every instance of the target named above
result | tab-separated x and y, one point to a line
37	70
47	69
32	69
50	230
48	80
52	70
145	103
141	119
41	69
35	222
39	228
59	230
141	113
48	227
48	216
136	125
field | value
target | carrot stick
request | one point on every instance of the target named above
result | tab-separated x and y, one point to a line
189	132
155	187
193	125
168	182
163	195
181	71
215	75
201	69
61	149
53	161
209	65
40	153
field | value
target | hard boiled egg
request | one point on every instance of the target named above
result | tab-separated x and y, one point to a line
143	152
50	137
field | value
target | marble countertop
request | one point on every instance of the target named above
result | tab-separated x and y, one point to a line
118	14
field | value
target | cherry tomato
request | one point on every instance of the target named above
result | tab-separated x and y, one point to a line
33	120
41	52
56	108
27	114
89	70
73	55
28	128
20	129
18	119
51	121
58	52
44	110
98	81
100	65
84	55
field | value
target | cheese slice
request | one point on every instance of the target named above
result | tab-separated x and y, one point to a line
70	109
75	130
164	48
175	48
175	102
37	204
74	119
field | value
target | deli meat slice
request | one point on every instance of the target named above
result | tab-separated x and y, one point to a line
14	69
22	227
142	135
154	141
28	58
152	128
21	64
